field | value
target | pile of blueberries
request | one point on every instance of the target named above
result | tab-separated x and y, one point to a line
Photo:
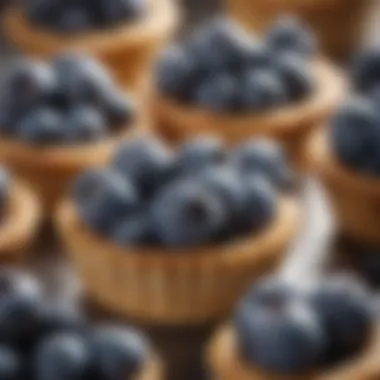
355	132
284	330
200	194
71	101
224	70
42	341
75	16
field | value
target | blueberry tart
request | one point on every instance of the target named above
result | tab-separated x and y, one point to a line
278	333
223	81
45	340
339	24
346	154
20	216
174	237
57	119
124	34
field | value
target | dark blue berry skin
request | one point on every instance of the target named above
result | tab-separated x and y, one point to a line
118	11
186	214
60	357
260	204
355	136
366	70
103	197
83	124
221	46
289	36
177	74
10	364
117	353
5	183
200	153
261	90
133	230
296	75
42	12
21	303
146	162
344	308
278	331
42	126
265	157
218	93
82	79
119	109
28	84
74	19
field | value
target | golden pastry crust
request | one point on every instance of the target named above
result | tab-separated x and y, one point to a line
20	223
152	370
126	49
289	124
354	197
225	362
49	170
189	286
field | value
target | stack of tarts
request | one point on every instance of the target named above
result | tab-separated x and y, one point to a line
57	119
346	155
124	34
222	81
175	237
328	333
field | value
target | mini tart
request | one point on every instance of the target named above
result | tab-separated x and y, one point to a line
174	287
338	24
226	364
128	50
354	197
50	169
290	124
19	225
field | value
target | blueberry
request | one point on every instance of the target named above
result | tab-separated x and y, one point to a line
41	126
134	230
177	74
368	265
119	109
355	135
266	157
4	187
288	35
146	162
187	213
117	353
83	124
278	331
260	204
21	303
296	75
43	12
226	184
345	310
28	84
261	90
103	198
60	357
222	46
219	93
82	79
366	70
199	153
116	11
10	364
73	20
